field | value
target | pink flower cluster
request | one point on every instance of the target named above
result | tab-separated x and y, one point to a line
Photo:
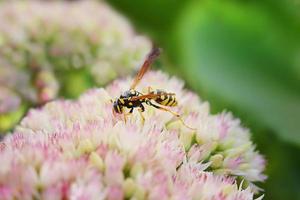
81	150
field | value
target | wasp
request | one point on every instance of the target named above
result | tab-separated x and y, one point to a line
133	99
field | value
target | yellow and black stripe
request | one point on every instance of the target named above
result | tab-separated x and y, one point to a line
166	99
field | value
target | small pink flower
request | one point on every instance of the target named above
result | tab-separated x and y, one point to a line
115	193
114	165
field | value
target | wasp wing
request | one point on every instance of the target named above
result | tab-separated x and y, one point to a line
150	96
155	52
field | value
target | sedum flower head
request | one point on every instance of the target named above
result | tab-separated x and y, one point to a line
47	47
81	150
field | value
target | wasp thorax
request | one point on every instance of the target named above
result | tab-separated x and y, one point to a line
129	93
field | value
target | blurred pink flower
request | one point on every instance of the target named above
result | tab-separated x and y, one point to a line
80	150
46	47
9	100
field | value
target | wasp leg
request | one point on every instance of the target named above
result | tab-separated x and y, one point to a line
172	112
141	110
113	110
163	108
126	114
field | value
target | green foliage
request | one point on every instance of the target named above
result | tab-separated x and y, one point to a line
8	120
282	167
154	15
241	55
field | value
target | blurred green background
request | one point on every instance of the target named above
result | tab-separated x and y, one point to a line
242	56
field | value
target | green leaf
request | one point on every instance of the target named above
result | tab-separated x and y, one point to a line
7	121
241	54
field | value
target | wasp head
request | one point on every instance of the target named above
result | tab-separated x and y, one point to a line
117	107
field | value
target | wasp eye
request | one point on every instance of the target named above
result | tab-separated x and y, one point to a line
117	107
